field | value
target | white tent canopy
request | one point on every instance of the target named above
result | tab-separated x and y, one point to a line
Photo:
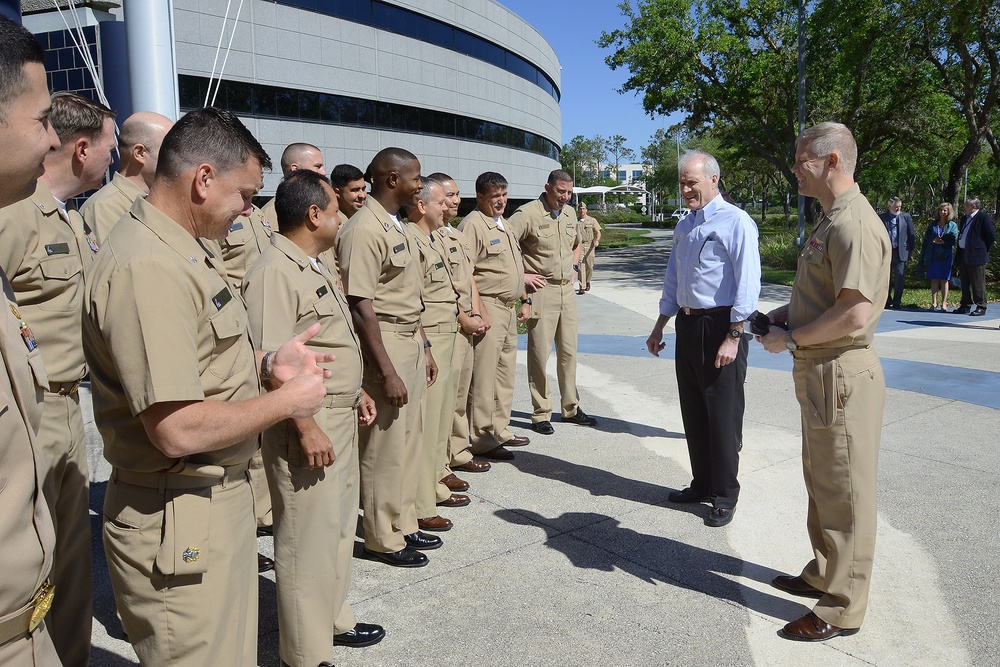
603	190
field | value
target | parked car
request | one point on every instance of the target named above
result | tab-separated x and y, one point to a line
680	213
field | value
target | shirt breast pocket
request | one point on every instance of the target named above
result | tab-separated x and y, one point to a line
495	249
713	251
230	355
333	318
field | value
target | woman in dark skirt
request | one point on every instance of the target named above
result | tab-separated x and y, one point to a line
938	253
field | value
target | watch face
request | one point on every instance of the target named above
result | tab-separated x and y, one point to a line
735	333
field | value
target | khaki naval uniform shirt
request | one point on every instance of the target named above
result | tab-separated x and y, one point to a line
547	244
107	206
162	324
377	263
25	523
45	252
248	237
497	264
315	521
840	388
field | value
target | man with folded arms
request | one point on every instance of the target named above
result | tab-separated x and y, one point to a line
177	399
311	463
498	270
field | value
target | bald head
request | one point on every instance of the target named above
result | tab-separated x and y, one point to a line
302	156
395	177
139	146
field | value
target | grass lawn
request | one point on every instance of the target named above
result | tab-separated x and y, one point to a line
624	238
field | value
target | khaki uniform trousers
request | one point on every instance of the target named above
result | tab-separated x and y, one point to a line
34	650
586	269
67	491
438	412
207	618
461	368
390	447
262	509
315	518
553	313
842	399
492	397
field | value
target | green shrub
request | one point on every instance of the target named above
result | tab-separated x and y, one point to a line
620	217
778	251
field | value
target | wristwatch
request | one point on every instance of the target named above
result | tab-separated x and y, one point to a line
735	333
527	301
789	343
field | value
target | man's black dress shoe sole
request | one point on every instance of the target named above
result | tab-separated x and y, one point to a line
360	636
688	495
406	557
264	564
978	312
719	517
581	418
796	586
423	542
543	428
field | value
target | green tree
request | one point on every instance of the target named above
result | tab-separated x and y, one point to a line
583	157
614	148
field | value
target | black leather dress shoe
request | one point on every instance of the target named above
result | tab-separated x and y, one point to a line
581	418
264	564
360	636
405	557
978	312
264	531
812	628
719	516
423	542
688	495
498	454
544	428
962	310
796	586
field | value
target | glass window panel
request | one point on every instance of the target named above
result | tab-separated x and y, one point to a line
308	105
286	103
383	115
366	112
238	96
329	109
263	101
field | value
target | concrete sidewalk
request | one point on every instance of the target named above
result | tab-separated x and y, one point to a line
570	555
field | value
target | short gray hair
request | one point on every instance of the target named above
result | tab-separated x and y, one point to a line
425	191
974	201
710	164
895	200
828	138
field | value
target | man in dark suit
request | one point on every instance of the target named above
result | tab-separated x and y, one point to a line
975	238
904	240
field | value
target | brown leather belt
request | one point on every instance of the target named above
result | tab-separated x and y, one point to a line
24	621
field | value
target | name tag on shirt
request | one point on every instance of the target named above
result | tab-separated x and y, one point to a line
545	226
222	298
235	227
439	265
453	249
399	248
57	249
321	292
494	241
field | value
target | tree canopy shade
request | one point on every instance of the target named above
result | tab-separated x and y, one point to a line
731	65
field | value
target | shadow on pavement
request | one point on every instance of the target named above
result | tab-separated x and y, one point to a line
599	482
598	542
604	425
105	658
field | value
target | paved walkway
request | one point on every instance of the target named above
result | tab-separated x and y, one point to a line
570	555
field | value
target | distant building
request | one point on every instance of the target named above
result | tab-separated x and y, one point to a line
466	85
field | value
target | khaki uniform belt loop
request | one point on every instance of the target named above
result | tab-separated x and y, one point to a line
409	329
188	476
64	388
506	303
442	328
342	400
24	621
705	311
830	352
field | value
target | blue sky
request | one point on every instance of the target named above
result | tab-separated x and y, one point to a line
590	101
